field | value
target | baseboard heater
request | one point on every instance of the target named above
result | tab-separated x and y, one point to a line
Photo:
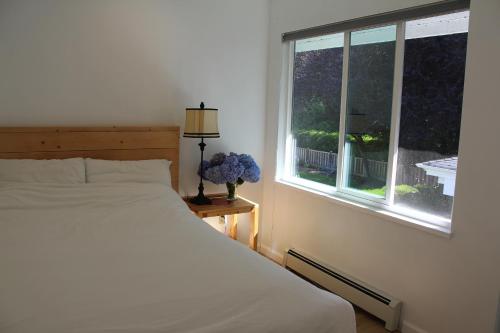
358	293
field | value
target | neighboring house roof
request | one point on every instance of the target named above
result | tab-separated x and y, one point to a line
445	169
445	163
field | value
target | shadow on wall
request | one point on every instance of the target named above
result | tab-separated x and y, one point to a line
497	324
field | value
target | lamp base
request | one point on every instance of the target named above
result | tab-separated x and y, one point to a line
200	199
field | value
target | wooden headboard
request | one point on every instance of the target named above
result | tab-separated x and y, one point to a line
109	143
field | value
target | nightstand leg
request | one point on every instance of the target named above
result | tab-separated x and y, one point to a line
254	228
233	226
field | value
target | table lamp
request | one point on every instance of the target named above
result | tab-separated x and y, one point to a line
201	123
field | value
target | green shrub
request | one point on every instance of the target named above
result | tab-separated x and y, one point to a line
318	140
400	190
429	198
329	141
404	189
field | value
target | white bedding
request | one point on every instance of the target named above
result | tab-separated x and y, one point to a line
130	258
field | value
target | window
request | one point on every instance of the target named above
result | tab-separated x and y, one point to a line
374	114
431	109
317	83
369	108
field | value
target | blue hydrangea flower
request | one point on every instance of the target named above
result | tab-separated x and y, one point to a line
246	160
251	174
214	175
217	159
204	165
233	168
252	171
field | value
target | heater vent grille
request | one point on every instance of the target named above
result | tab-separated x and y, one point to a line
346	280
368	298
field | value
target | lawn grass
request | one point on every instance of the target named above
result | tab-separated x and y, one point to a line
318	177
328	180
378	191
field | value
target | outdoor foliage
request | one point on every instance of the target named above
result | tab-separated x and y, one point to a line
371	76
318	140
317	87
431	105
426	197
431	97
329	141
433	83
317	94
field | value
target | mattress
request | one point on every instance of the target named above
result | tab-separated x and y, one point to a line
127	258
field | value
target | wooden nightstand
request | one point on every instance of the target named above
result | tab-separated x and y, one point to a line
221	207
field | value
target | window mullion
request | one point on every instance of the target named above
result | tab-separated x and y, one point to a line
343	111
395	115
289	150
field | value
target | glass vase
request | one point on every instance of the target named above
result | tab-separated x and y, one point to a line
231	192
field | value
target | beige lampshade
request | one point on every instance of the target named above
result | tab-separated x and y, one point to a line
201	123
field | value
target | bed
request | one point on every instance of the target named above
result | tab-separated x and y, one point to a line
131	257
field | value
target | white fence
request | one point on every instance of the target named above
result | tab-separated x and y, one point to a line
327	161
320	159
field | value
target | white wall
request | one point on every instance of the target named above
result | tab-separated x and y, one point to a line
129	62
447	285
126	62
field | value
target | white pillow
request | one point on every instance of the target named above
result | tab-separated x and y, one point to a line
68	171
145	171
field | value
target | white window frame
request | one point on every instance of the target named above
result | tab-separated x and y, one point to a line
357	197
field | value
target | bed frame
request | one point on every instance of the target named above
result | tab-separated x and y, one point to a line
109	143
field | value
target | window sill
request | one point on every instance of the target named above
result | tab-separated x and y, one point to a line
443	230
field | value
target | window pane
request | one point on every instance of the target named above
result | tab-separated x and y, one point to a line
317	83
369	107
431	108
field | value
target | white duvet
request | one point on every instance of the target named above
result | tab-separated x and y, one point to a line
131	258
